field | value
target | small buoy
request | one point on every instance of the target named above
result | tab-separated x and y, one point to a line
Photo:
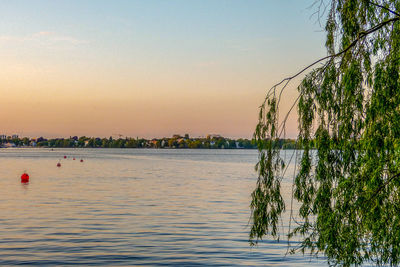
65	157
59	164
24	178
73	158
81	160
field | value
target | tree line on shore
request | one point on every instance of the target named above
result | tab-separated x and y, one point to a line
176	141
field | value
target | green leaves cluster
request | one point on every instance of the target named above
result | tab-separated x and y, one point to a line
349	108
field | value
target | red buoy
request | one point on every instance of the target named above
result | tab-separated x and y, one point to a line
81	160
59	164
73	158
24	178
65	157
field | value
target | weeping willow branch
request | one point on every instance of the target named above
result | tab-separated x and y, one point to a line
385	8
360	36
353	93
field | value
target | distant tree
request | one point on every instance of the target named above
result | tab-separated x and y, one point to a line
82	140
232	144
141	142
194	144
172	142
104	143
65	143
91	143
220	143
25	141
158	144
43	143
131	143
98	142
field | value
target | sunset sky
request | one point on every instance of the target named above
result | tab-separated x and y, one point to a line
148	68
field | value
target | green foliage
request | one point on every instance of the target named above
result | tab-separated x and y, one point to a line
349	109
175	142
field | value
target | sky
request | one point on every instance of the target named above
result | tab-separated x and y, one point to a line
149	68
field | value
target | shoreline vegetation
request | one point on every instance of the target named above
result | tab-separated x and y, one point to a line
174	142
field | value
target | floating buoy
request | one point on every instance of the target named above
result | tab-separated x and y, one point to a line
59	164
81	160
73	158
24	178
65	157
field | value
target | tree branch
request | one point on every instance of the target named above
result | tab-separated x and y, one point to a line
388	181
361	35
387	9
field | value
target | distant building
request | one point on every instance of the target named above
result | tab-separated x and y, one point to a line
176	136
3	137
14	136
153	142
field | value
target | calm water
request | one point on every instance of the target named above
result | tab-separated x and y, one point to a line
132	207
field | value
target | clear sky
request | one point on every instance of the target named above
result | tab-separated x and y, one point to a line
148	68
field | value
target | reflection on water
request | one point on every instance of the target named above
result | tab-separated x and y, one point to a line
132	207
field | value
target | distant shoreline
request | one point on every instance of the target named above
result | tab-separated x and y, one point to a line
174	142
144	148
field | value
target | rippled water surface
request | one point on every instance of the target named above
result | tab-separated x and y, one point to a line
132	207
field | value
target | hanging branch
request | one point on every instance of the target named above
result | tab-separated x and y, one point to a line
360	36
385	8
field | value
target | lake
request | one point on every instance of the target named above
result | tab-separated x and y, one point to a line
133	207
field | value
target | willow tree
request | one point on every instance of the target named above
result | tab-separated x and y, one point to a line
347	182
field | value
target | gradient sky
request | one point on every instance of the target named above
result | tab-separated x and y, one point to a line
148	68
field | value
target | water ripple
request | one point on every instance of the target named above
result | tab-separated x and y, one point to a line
126	207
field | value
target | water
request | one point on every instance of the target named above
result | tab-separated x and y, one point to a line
132	207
